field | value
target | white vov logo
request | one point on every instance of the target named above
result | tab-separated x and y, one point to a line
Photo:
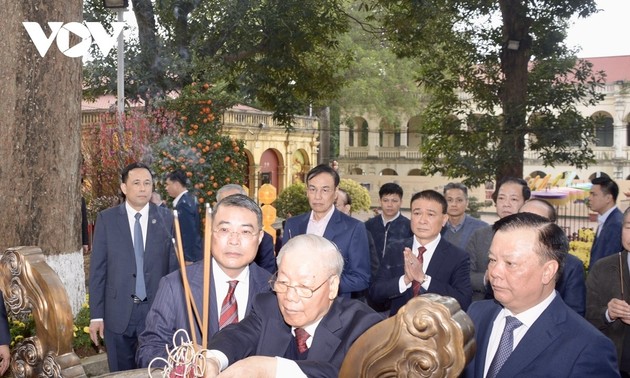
91	31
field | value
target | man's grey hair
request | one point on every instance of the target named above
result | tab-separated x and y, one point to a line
326	250
239	200
230	188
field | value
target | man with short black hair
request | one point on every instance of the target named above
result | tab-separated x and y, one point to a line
603	200
187	213
424	263
390	225
325	220
510	194
460	226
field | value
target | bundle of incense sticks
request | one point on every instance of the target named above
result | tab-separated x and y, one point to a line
621	275
191	307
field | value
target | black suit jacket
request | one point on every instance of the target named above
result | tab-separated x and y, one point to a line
266	255
603	284
113	263
609	239
168	313
449	270
264	333
189	225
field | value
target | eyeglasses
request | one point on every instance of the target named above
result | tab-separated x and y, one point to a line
224	232
302	291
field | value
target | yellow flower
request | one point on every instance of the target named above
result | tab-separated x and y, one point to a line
19	338
86	329
74	328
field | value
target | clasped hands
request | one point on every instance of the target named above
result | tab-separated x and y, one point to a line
413	268
619	309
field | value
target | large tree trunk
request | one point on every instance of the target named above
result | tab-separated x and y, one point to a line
514	64
40	117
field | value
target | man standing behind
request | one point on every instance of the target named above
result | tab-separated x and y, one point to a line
528	331
424	263
131	252
460	226
608	295
603	200
266	255
187	214
304	329
390	225
325	220
510	195
237	231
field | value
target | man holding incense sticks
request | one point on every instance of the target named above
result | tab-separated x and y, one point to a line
234	281
302	329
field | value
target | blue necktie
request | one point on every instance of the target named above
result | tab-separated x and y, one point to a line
138	248
506	345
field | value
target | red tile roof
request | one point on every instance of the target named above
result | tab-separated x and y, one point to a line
616	67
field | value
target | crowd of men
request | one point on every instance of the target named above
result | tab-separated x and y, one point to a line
296	314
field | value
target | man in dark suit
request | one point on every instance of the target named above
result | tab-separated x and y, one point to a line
510	194
528	331
187	214
425	263
5	338
304	323
266	255
237	220
607	301
131	252
325	220
571	285
603	200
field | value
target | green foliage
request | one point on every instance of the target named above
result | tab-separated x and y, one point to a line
280	54
209	158
461	52
474	205
361	200
292	201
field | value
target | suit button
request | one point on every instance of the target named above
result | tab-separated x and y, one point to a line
134	275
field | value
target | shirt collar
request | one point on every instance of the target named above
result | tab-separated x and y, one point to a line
529	316
391	220
132	212
176	200
601	219
325	219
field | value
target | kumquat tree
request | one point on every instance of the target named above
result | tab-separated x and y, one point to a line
209	158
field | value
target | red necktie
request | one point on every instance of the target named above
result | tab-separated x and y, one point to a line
415	285
300	337
229	308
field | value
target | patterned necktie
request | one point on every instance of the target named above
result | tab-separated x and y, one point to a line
300	338
506	345
138	249
229	308
415	285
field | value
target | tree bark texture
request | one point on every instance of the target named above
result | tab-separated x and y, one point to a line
40	118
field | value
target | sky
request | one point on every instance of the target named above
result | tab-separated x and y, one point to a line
604	33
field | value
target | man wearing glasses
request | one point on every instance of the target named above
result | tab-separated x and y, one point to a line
236	279
304	329
348	234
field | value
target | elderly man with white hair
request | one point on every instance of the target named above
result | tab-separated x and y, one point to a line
301	329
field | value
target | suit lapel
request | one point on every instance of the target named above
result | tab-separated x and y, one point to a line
326	342
483	338
123	227
540	337
334	226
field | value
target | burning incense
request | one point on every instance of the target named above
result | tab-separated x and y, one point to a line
206	276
